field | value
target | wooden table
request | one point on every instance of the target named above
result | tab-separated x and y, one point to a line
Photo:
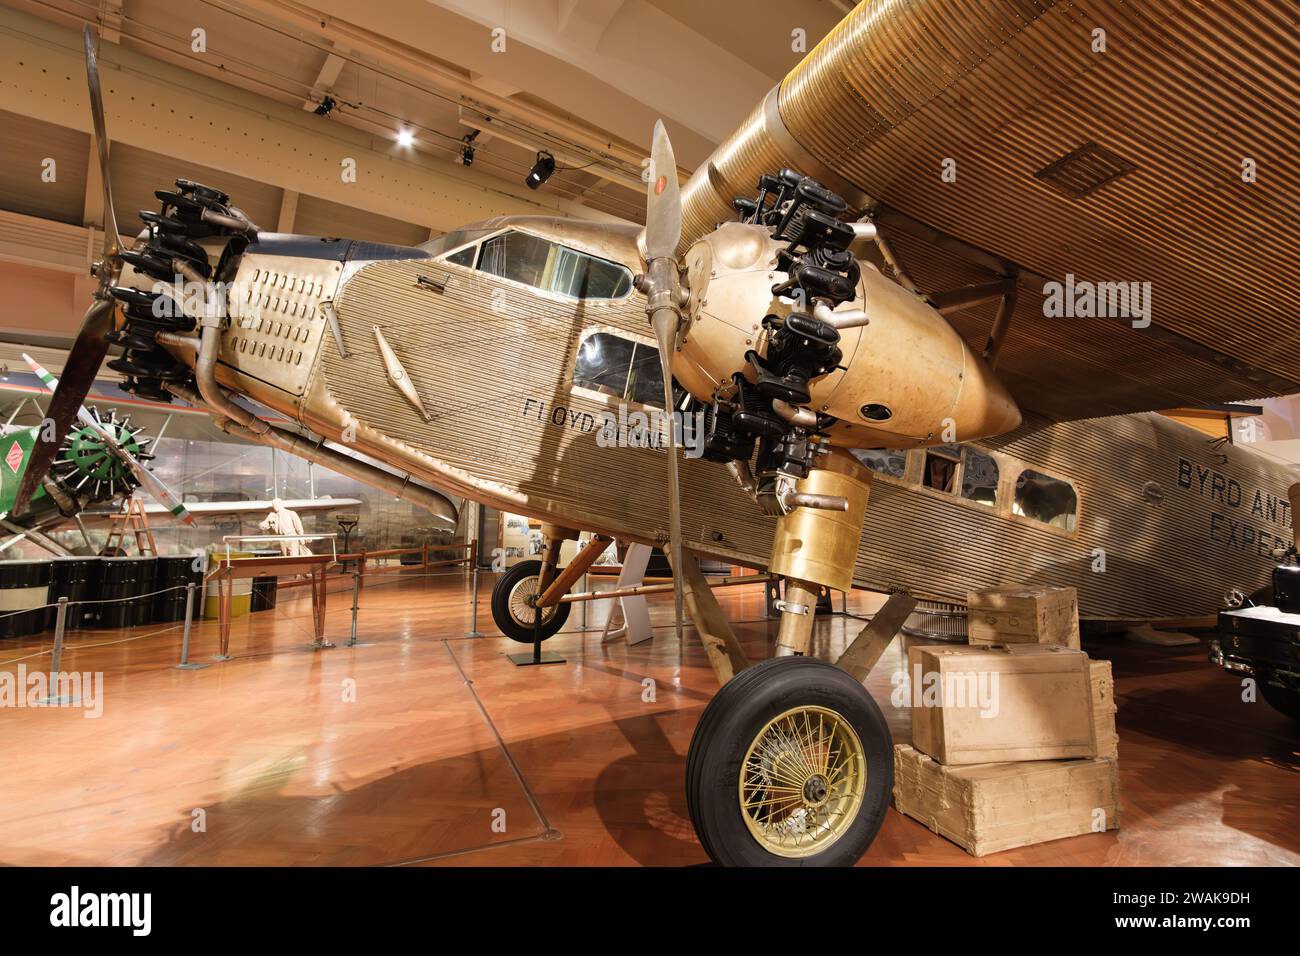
227	569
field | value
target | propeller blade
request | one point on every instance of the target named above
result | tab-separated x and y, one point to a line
663	223
112	238
78	375
663	230
147	479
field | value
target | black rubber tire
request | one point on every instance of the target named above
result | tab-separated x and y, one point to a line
506	622
1284	701
729	725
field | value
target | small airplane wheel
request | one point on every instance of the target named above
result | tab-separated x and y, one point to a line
511	608
791	764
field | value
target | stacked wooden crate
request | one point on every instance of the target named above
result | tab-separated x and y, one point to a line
1013	736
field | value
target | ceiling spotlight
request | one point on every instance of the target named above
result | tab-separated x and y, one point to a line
541	170
405	138
326	106
467	147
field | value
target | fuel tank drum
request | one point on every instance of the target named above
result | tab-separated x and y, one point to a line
906	378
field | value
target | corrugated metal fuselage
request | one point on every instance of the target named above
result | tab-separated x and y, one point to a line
1165	523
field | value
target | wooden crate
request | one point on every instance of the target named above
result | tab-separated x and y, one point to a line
989	704
1023	615
1103	708
990	807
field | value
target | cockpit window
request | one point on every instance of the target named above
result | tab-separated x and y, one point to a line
586	277
1046	499
463	258
618	367
552	267
517	256
450	240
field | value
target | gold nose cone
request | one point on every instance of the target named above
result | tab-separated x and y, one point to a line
984	407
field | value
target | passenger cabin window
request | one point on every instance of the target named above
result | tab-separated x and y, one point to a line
620	368
892	462
941	468
958	470
554	268
979	477
1046	499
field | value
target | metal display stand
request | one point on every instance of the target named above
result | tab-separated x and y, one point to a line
537	655
316	566
635	609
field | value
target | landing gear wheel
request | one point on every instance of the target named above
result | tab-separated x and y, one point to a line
512	610
791	764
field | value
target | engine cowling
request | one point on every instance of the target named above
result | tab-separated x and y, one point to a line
906	378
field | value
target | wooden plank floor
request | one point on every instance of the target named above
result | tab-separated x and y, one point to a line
424	746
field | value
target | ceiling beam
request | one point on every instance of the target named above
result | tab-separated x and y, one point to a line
631	46
288	211
325	80
174	112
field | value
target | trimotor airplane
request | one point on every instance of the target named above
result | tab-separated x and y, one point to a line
866	292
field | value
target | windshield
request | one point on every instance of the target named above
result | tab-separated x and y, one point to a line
451	240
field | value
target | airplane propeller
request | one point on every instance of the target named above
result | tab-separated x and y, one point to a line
147	479
91	346
662	287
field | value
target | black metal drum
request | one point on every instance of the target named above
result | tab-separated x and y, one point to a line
126	587
77	579
174	572
24	592
265	593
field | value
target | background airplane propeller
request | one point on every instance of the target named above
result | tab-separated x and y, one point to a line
662	287
91	346
147	479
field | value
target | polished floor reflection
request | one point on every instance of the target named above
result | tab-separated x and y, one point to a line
423	745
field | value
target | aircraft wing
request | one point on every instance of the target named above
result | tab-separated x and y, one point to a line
223	509
229	509
1082	142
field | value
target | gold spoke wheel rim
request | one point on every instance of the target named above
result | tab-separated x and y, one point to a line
803	781
521	607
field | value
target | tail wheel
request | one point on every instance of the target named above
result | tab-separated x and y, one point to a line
791	764
512	608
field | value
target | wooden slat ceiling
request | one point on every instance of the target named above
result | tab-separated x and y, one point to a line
24	144
320	217
1006	88
137	173
1183	92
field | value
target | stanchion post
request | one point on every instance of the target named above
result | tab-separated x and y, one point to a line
356	594
60	623
473	613
56	661
185	664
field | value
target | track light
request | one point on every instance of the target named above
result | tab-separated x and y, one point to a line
467	147
405	138
326	106
541	170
